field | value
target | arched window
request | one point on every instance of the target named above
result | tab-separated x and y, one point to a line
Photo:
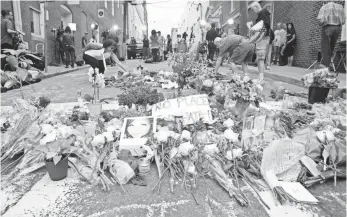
65	16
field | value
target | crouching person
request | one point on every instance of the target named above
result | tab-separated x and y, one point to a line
95	55
240	48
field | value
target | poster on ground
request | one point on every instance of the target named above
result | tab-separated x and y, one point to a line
191	108
259	130
135	133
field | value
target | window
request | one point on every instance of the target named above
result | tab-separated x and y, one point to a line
232	6
105	4
112	7
37	23
122	9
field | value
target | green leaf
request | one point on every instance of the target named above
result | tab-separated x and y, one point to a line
50	155
56	159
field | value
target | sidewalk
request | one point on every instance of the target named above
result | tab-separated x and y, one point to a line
292	75
60	70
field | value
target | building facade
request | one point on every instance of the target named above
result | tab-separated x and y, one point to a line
136	21
303	14
106	14
194	12
29	18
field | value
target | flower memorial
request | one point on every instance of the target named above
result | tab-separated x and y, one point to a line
320	78
210	129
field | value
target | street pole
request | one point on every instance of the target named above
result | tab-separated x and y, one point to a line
146	15
45	35
125	20
243	29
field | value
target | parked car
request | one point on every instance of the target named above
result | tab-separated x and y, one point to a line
134	50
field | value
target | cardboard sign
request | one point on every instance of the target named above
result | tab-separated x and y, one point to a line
135	133
258	130
191	108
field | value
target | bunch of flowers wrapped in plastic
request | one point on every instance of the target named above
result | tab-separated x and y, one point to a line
320	78
245	88
96	78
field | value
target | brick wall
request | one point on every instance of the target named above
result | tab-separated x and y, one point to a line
303	14
90	9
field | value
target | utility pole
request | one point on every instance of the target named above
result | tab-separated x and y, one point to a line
145	15
125	20
243	29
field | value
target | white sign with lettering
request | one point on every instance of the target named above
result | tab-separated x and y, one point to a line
191	108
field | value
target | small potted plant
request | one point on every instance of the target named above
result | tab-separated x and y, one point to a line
319	83
56	157
244	90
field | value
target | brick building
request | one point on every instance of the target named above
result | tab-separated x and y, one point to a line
303	14
82	14
28	18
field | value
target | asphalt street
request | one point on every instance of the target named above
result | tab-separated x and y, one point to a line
64	88
82	199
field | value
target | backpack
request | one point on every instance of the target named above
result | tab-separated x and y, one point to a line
272	35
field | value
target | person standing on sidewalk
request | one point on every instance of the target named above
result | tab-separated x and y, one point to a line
277	43
154	46
288	48
263	15
331	17
6	30
169	44
69	47
161	41
84	40
145	48
268	59
211	35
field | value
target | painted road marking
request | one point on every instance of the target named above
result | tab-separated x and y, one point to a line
151	209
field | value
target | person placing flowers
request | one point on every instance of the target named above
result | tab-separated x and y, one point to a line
95	55
240	48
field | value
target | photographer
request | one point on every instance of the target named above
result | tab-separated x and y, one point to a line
6	30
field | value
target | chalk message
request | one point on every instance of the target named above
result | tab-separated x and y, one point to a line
191	108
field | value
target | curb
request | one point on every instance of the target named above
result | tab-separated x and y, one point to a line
281	78
64	72
285	79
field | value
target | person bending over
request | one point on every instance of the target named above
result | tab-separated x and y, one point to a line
95	55
240	48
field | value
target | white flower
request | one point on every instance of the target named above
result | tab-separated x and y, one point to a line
98	140
228	123
185	135
108	135
230	135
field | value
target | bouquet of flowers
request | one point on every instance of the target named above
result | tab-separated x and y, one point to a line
320	78
244	88
96	78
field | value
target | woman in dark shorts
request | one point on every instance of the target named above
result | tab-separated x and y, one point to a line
288	50
95	55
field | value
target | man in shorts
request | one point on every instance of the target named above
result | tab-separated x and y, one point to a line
261	46
239	47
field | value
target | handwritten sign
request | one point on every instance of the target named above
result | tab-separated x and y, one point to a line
259	130
191	108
